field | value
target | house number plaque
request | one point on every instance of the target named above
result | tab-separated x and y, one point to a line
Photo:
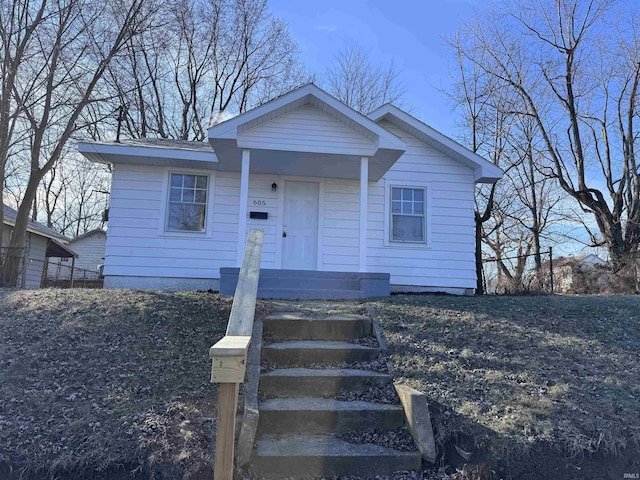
261	203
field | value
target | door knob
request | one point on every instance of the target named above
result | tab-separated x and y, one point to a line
284	234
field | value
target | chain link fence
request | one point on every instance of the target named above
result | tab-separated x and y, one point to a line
19	270
64	274
519	274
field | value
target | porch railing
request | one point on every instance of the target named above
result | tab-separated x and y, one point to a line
229	355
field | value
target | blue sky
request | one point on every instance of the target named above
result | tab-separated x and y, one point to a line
409	32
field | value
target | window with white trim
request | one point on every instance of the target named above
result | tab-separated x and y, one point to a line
187	202
408	222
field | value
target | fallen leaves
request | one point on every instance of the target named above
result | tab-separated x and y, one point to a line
85	373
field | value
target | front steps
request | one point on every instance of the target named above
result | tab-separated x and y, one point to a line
310	284
301	421
305	382
299	456
307	352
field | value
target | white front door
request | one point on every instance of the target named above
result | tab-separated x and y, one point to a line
300	226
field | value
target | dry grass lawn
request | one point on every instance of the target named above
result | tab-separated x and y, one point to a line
93	379
110	381
518	372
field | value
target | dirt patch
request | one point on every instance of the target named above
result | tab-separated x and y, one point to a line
370	341
377	394
93	380
377	365
508	377
398	439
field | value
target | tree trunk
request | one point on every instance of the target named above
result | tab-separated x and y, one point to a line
19	234
479	271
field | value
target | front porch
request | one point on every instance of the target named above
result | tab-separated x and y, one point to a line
303	138
309	284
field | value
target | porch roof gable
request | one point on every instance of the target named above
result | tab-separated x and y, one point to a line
313	95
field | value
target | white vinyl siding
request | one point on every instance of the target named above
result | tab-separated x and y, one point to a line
447	260
260	189
341	228
306	129
35	260
137	245
90	250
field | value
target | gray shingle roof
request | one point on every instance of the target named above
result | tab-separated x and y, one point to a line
88	234
11	215
164	143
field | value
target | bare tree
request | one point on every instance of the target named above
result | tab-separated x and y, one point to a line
534	196
575	67
354	80
485	126
64	49
74	195
17	26
214	59
514	215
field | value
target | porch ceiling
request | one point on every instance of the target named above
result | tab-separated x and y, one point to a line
303	164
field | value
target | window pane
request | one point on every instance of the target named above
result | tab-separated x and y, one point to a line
407	194
418	207
174	196
189	181
202	181
187	195
408	229
201	196
396	207
396	193
418	195
186	217
406	207
176	180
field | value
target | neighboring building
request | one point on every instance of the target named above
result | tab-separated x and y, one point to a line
578	274
42	243
90	248
344	200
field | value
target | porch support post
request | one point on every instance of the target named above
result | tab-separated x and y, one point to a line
244	201
364	192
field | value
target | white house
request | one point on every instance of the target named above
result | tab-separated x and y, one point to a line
90	250
348	203
41	243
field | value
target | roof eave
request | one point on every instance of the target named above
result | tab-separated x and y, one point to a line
484	171
483	177
59	246
111	153
35	231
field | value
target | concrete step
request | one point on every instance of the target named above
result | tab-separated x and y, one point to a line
311	416
303	283
303	456
307	382
310	284
337	327
297	293
306	352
